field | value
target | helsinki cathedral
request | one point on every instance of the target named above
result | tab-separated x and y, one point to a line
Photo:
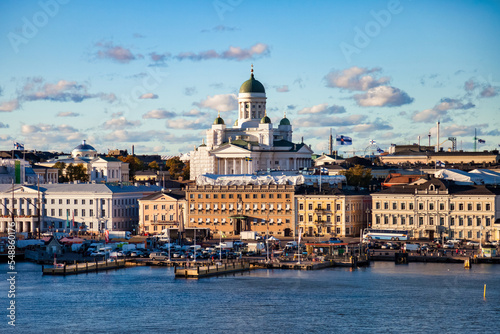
252	144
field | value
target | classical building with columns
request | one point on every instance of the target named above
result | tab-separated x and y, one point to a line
252	144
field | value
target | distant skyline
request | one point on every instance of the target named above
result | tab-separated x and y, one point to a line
154	74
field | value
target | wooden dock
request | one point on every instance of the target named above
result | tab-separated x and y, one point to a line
211	270
81	268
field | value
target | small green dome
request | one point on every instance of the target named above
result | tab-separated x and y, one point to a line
265	120
219	120
252	85
285	121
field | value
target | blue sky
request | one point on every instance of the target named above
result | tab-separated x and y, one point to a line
153	74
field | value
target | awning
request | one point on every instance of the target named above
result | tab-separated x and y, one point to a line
238	217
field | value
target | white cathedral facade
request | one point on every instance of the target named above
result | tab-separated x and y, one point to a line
252	144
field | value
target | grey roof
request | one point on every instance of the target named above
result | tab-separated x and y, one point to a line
453	188
85	188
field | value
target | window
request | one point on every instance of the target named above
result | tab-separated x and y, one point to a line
301	218
231	196
103	202
377	205
394	220
207	196
460	221
420	221
386	205
469	234
461	206
68	201
91	212
441	206
223	196
338	207
83	212
431	206
254	196
403	220
278	195
216	196
394	205
488	222
155	207
310	206
452	206
338	219
103	213
287	195
386	220
478	221
488	206
452	221
377	220
328	207
403	206
301	206
329	219
410	220
469	206
171	207
191	195
441	221
52	201
146	217
310	218
271	195
469	221
431	220
53	212
91	201
478	206
75	201
420	206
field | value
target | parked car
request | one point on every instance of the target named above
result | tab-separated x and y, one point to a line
335	241
473	243
449	245
158	256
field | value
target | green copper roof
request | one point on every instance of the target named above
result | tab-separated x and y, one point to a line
285	121
219	120
252	86
265	120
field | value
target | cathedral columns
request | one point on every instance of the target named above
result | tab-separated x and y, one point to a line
242	167
294	163
234	166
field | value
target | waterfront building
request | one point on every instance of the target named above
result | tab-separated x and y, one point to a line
428	208
232	209
252	144
331	210
71	207
162	210
416	157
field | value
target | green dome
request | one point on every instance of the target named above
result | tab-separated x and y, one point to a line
285	121
219	120
252	86
265	120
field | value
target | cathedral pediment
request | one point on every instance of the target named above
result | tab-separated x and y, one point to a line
230	149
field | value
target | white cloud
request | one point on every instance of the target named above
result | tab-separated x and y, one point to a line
194	113
120	123
4	126
488	91
159	114
9	106
148	96
383	96
221	102
137	136
440	111
370	127
282	89
318	120
116	53
67	114
187	124
323	109
355	78
233	53
44	128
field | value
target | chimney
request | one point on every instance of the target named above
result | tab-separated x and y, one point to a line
133	150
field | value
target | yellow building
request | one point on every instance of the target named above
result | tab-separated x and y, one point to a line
429	208
233	209
162	210
331	211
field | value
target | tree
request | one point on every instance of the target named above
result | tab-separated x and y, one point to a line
358	176
61	167
176	168
76	173
134	164
154	165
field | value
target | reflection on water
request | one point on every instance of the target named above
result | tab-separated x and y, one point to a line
379	299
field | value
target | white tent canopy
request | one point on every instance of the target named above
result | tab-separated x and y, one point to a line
477	176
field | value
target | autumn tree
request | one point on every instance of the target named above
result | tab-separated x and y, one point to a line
154	165
134	164
61	166
177	168
76	173
358	176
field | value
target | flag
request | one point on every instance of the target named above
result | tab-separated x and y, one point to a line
18	146
344	140
323	170
440	163
481	141
73	219
300	235
67	219
106	236
372	142
248	159
379	150
223	234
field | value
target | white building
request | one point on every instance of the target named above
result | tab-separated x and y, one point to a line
72	207
252	144
99	169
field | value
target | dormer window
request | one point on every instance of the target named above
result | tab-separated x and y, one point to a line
431	187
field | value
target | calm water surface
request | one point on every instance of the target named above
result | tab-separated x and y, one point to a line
384	298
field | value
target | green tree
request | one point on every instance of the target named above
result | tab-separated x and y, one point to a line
186	171
358	176
76	173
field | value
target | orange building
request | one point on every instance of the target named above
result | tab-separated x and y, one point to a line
162	210
233	209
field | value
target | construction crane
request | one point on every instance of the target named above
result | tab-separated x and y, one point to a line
453	143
